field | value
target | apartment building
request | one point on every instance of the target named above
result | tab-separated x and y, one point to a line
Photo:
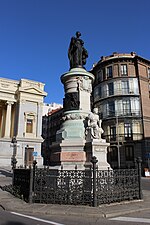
50	124
122	94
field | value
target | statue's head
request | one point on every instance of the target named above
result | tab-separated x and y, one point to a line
78	34
95	110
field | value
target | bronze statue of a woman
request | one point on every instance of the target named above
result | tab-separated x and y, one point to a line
77	53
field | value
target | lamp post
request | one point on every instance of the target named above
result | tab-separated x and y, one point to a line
118	146
26	156
117	136
13	158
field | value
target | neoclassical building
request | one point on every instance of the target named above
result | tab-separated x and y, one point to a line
21	105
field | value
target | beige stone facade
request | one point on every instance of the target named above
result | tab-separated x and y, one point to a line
21	104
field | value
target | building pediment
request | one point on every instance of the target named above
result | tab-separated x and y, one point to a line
32	90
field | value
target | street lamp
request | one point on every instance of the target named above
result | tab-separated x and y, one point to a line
118	145
26	155
13	158
117	136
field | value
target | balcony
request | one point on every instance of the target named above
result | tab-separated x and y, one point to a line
123	137
121	113
117	92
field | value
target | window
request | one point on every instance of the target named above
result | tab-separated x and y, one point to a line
112	133
29	156
129	153
124	70
109	72
111	108
128	131
104	74
113	153
110	89
148	73
125	87
97	93
29	126
100	75
126	106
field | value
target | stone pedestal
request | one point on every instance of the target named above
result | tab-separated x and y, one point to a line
69	148
68	153
98	148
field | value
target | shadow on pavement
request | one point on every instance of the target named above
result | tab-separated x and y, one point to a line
13	223
5	173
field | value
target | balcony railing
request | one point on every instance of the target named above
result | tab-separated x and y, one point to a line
123	91
120	113
123	137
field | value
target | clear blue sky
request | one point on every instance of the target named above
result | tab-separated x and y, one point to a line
35	35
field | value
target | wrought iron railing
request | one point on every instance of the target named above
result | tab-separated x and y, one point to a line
120	113
62	186
123	137
83	187
21	182
117	185
91	187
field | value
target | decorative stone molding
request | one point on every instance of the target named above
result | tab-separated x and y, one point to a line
84	84
9	103
73	116
29	115
5	85
7	96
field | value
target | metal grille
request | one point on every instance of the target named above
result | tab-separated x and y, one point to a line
87	187
117	185
21	181
62	186
77	187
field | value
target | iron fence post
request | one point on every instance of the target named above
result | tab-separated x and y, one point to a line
14	163
139	176
31	185
13	177
34	167
94	161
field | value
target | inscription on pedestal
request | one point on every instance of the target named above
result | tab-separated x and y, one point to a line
73	156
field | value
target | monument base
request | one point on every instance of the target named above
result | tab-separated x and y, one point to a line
98	148
69	149
68	154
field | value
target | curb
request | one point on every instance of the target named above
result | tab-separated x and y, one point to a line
114	214
29	208
71	213
10	203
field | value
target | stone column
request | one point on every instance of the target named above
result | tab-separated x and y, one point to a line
3	123
0	121
8	119
20	129
39	120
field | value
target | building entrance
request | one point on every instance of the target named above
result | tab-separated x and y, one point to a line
29	156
